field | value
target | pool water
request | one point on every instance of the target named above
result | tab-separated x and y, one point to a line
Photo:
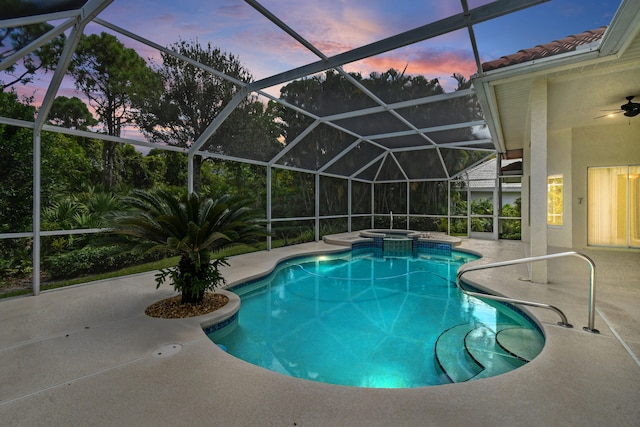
363	320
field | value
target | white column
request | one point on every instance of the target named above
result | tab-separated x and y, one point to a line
538	180
497	200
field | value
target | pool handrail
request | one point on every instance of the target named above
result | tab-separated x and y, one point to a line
564	322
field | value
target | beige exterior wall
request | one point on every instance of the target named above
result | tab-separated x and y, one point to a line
570	153
612	145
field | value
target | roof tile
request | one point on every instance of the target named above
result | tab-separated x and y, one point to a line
556	47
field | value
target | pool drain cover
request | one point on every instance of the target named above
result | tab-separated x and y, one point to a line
167	350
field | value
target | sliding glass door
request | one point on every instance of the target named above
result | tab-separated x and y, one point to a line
613	204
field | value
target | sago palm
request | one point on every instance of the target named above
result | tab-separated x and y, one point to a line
194	227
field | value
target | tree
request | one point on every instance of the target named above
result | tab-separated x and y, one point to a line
66	168
82	209
112	77
10	106
132	168
16	146
194	97
16	178
510	227
194	227
332	93
67	164
71	113
15	38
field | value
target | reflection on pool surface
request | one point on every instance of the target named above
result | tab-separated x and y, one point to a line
363	320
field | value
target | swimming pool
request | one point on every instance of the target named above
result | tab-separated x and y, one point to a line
361	319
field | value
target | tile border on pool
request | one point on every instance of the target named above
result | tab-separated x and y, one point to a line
217	326
225	319
419	246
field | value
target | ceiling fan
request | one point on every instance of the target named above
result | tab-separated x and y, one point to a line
630	109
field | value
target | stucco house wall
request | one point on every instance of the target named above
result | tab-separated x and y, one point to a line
598	146
570	153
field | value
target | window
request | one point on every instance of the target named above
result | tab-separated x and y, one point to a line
554	200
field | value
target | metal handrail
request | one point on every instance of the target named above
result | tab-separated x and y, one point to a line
592	286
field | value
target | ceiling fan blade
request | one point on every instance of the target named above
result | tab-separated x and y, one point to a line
610	114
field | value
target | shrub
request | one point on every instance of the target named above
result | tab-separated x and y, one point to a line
16	260
91	260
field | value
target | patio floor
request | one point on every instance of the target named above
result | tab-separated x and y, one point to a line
88	355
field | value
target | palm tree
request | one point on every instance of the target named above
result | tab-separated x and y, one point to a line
194	227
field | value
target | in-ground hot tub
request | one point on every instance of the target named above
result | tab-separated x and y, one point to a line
393	242
404	242
429	236
390	234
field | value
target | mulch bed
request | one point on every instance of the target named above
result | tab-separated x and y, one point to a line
172	308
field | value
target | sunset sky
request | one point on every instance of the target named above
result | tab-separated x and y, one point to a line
335	26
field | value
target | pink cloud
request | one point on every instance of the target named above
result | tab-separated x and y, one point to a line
446	62
431	64
332	26
336	26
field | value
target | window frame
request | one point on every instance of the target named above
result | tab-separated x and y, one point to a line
555	205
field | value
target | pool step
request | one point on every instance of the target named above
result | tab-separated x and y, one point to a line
482	345
452	357
523	343
472	351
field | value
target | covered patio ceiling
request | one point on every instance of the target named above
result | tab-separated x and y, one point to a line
383	139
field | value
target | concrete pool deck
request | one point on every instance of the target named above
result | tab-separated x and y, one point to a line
88	355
